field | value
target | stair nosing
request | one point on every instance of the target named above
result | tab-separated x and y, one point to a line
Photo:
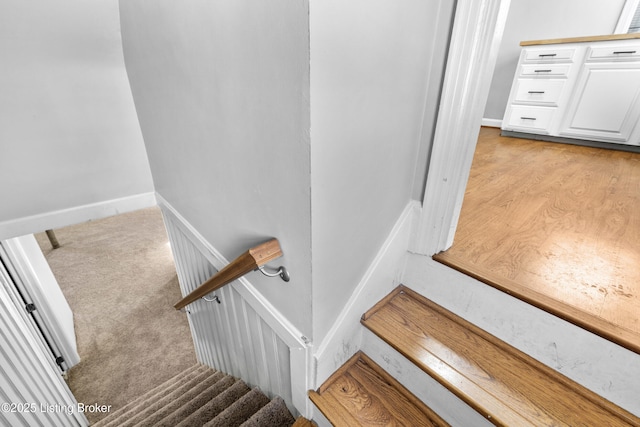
546	371
325	401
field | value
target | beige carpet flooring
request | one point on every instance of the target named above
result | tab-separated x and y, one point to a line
119	278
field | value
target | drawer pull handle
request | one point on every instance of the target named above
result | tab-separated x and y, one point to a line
542	71
621	52
536	91
542	55
527	118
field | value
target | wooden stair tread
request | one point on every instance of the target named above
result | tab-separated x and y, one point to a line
569	312
303	422
361	393
502	383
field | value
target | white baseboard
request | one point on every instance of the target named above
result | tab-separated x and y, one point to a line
75	215
382	276
493	123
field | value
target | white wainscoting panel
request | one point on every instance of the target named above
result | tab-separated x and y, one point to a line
32	391
242	335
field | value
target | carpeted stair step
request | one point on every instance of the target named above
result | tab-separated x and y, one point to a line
198	397
273	414
215	406
197	402
241	410
171	403
166	387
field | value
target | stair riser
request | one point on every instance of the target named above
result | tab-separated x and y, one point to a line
428	390
319	418
599	365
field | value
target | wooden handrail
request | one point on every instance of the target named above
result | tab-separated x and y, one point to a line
247	262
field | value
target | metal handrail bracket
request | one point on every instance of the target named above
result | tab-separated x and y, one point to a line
253	259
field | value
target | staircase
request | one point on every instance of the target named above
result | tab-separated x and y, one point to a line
201	396
468	376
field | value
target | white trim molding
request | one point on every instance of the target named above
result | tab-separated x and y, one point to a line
75	215
382	276
35	281
626	16
28	374
245	335
475	42
492	123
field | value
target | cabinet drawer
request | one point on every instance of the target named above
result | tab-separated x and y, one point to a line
554	70
549	54
532	119
621	52
538	91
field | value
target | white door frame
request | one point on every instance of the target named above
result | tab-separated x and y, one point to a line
36	281
475	42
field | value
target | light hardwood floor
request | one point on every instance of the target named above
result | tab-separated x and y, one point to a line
557	225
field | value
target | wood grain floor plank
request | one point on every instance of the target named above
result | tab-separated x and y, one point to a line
401	410
558	220
333	409
507	386
362	394
303	422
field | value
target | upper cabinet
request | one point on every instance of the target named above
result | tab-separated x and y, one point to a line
578	88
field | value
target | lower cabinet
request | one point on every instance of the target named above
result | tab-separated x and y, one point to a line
585	90
605	105
530	119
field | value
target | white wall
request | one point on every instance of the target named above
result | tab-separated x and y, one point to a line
222	94
69	134
545	19
276	119
370	66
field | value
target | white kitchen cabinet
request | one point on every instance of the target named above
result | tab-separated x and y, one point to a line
530	118
538	92
540	88
605	105
586	89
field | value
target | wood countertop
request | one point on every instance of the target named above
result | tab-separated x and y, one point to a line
582	39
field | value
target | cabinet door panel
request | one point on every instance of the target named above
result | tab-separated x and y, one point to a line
605	104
